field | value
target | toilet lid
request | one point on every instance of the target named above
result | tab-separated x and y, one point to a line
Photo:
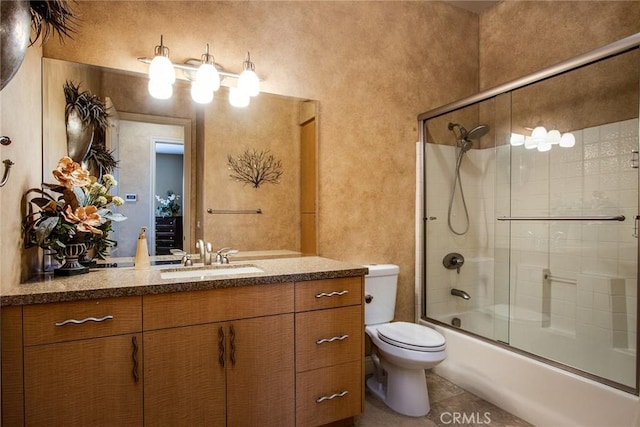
411	336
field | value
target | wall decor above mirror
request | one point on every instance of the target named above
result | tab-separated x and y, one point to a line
206	134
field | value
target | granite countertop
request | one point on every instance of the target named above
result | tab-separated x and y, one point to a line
126	281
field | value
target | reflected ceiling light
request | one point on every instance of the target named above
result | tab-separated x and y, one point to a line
249	82
553	137
538	135
516	139
530	143
160	90
238	97
567	140
543	140
205	75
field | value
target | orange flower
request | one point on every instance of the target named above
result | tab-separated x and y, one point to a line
69	173
85	218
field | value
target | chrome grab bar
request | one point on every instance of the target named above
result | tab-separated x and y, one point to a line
324	340
562	218
88	319
333	396
332	294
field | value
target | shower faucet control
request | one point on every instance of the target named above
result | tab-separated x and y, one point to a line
453	261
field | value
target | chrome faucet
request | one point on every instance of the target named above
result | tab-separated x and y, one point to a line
205	251
460	293
222	255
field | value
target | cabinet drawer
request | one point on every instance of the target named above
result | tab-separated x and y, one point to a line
314	388
328	337
318	294
66	321
216	305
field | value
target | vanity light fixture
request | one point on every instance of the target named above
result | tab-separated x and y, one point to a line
542	140
208	75
161	73
207	80
249	82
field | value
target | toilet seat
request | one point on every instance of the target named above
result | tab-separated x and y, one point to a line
411	336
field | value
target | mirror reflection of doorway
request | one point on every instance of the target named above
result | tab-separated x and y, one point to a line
140	167
168	159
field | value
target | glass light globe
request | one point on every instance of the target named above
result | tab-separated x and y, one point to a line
201	94
249	83
160	90
208	77
530	143
238	98
517	139
567	140
544	146
161	69
553	137
539	134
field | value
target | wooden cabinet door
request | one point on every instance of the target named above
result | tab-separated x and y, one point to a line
260	372
94	382
184	376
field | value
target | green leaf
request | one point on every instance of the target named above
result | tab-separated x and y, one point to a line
112	216
80	195
45	228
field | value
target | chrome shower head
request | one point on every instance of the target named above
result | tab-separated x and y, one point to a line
464	139
477	132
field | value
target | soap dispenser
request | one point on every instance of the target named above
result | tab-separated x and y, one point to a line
141	262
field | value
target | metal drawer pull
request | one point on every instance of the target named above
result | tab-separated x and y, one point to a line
332	294
333	396
221	346
134	357
324	340
88	319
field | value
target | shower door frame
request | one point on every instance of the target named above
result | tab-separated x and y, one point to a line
619	47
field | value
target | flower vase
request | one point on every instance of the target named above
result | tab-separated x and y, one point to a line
84	258
72	252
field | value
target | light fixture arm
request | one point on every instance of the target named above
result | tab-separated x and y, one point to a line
247	64
187	67
161	50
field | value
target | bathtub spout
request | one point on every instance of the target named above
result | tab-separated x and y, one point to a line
460	293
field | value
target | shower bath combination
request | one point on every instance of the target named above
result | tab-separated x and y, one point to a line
464	142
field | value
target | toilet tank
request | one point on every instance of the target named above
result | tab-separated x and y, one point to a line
381	284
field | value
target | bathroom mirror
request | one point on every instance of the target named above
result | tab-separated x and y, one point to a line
196	141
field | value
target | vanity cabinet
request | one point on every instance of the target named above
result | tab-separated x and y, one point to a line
279	354
329	351
83	363
220	357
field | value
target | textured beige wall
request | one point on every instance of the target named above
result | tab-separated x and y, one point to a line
21	120
372	65
520	37
270	123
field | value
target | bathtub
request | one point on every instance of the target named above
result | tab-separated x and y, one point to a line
535	391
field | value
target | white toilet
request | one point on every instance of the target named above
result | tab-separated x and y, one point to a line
401	351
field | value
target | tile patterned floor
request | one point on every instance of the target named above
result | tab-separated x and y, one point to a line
447	400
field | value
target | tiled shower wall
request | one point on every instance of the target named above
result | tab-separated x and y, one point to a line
476	275
593	178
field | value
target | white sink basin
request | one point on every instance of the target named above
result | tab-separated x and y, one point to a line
208	271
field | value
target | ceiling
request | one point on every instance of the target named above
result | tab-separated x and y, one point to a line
475	6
